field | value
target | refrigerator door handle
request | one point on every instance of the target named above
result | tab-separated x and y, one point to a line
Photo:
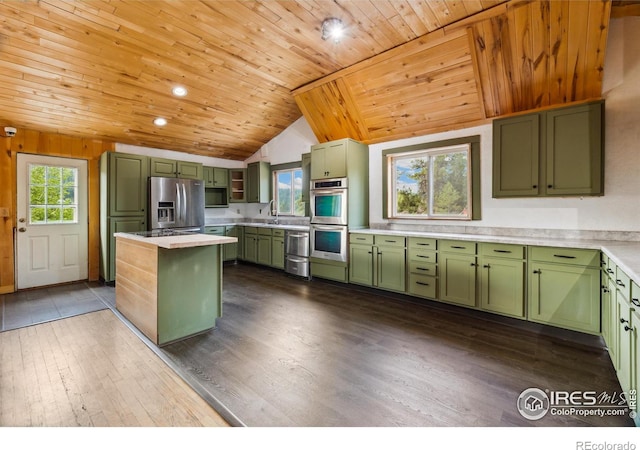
184	202
179	203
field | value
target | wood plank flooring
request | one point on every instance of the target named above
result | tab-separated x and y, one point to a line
294	353
91	370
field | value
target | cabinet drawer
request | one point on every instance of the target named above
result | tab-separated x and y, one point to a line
279	232
422	243
357	238
422	286
250	230
610	268
457	246
214	230
423	256
581	257
423	268
502	250
395	241
264	231
623	282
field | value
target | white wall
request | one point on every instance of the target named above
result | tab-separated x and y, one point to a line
618	209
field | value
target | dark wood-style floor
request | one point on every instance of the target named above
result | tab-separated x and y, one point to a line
294	353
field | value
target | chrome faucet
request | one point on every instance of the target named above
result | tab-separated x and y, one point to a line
271	211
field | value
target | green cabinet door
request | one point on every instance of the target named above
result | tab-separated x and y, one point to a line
612	343
207	176
458	278
391	268
329	160
258	182
565	295
231	249
635	357
605	310
306	181
361	264
516	156
127	175
277	252
191	170
502	286
625	343
574	156
119	225
162	167
264	250
251	248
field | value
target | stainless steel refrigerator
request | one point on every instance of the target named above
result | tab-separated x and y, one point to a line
176	203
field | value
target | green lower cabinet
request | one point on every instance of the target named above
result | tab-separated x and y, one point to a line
251	248
391	268
330	270
422	286
605	311
277	252
612	321
502	286
458	278
625	343
361	264
567	296
231	250
635	356
264	250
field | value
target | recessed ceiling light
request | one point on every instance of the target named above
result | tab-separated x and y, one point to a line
332	28
179	91
159	121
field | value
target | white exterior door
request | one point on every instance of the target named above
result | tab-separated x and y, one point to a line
52	238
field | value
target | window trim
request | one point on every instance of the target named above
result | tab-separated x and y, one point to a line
474	176
297	165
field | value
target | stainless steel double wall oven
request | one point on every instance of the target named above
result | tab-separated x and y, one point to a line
329	219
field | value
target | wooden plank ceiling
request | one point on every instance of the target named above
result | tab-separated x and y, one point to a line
515	57
105	68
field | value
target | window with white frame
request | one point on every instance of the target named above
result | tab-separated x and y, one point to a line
432	183
288	192
53	194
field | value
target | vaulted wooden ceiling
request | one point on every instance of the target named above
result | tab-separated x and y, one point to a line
105	68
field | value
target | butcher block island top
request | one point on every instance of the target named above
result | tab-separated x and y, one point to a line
170	287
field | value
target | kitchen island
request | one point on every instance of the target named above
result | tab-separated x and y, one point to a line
170	287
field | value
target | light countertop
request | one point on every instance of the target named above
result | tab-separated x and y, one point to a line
626	254
262	225
181	241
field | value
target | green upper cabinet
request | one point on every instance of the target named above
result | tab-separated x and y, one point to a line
215	177
237	185
162	167
258	182
127	185
557	152
329	160
515	156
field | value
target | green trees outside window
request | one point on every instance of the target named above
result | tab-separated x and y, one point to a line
288	189
53	194
432	183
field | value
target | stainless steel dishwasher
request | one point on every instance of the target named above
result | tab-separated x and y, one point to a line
296	249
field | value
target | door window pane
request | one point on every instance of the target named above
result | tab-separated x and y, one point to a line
53	194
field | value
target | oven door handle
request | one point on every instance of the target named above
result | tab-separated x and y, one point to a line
328	191
329	227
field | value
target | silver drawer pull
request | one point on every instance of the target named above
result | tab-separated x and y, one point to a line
565	256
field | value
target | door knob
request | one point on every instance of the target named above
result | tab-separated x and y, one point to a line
21	220
22	229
